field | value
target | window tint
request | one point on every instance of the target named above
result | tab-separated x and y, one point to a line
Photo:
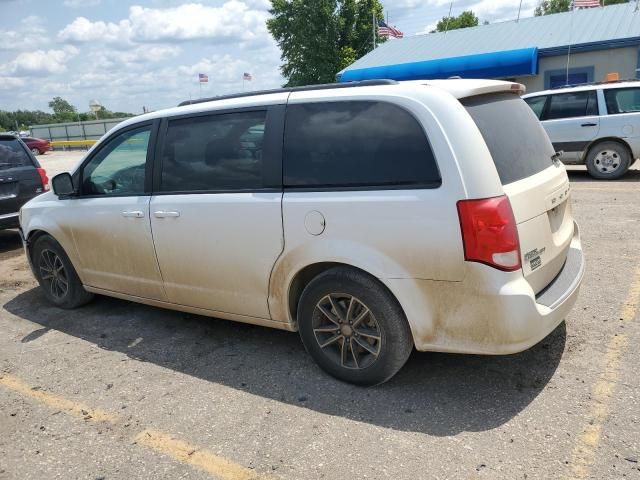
573	104
622	100
356	144
12	154
119	167
214	152
561	80
517	142
536	104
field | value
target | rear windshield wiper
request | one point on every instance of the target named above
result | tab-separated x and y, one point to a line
556	156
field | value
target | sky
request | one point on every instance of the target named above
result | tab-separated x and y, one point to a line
130	54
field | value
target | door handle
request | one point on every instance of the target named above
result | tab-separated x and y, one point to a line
589	125
133	213
166	213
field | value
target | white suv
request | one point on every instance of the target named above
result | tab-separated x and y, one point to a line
597	125
371	217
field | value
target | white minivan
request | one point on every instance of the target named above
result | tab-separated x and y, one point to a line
372	217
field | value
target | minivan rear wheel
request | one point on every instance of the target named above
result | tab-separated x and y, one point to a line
353	327
56	275
608	160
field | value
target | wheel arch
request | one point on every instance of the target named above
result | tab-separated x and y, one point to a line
305	275
598	141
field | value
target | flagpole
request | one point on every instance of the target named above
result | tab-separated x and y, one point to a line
446	26
373	14
519	9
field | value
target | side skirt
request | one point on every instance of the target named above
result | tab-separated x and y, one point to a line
263	322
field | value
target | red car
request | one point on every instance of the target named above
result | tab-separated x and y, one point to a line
37	146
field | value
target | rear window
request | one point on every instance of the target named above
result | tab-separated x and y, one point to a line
12	154
356	144
517	142
622	100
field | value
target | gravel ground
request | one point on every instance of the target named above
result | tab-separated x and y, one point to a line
119	390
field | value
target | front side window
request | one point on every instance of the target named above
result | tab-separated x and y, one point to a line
573	104
119	167
622	100
536	104
356	144
12	154
214	152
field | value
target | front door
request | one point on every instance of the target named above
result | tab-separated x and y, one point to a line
110	218
216	211
572	122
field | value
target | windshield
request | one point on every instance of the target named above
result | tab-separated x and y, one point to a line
518	144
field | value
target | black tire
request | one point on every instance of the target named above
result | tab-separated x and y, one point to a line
614	152
48	256
385	321
35	151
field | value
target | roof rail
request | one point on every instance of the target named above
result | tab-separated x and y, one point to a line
588	84
324	86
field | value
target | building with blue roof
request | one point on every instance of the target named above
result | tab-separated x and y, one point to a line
534	51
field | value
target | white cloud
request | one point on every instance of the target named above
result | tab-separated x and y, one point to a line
234	20
83	30
81	3
29	34
39	62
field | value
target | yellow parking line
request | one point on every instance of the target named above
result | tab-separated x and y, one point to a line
205	460
587	441
55	401
180	450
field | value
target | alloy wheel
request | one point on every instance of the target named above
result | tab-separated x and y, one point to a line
53	274
347	331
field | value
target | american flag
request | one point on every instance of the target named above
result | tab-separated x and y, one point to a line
385	30
586	3
203	78
247	76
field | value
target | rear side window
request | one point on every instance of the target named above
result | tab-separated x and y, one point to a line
356	144
214	152
622	100
536	104
12	154
573	104
517	142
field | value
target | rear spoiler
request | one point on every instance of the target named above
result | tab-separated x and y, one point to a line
461	88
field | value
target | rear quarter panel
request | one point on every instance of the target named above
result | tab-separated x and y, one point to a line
391	234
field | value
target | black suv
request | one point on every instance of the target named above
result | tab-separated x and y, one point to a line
21	178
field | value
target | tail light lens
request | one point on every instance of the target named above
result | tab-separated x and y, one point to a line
489	233
43	178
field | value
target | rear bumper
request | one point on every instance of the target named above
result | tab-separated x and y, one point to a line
490	312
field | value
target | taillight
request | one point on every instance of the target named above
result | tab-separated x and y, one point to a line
489	232
43	178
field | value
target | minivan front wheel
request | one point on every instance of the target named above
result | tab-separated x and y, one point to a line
608	161
353	327
55	274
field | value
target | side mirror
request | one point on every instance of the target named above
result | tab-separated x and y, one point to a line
62	185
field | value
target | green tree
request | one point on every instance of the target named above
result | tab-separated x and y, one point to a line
547	7
320	37
63	111
464	20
